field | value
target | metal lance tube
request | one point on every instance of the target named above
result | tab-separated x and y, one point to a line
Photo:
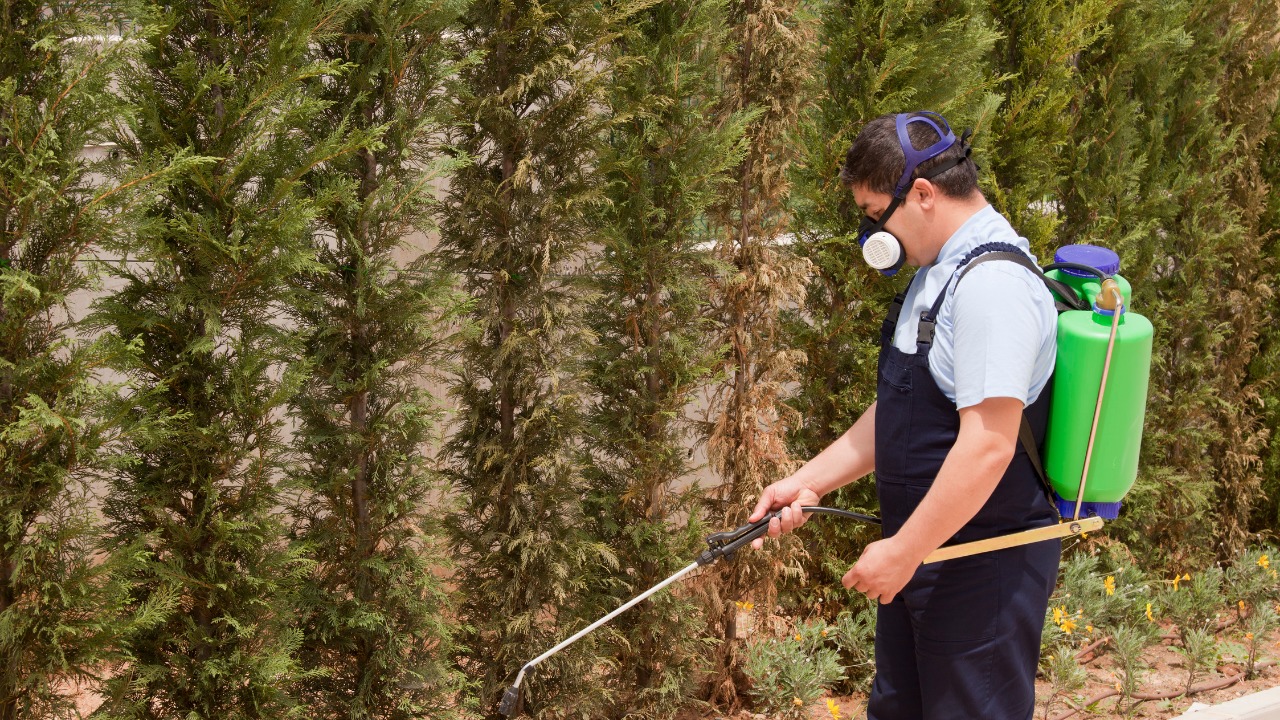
512	694
1110	294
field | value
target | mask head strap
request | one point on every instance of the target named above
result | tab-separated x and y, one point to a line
914	158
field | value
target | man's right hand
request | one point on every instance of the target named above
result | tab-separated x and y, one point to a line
790	494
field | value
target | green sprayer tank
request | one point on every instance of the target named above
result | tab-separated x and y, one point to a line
1082	347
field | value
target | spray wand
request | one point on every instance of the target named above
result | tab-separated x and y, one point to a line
719	545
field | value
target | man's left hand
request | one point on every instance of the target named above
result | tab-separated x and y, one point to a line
883	570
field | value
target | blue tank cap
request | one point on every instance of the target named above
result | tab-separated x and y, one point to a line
1104	259
1106	511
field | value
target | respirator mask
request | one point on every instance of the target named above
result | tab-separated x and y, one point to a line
880	248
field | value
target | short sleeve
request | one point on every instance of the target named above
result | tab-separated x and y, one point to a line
999	333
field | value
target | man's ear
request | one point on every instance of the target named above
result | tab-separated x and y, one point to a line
926	193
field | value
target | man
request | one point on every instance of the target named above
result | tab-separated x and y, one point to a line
960	366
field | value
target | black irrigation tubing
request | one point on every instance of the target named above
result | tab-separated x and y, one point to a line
1168	695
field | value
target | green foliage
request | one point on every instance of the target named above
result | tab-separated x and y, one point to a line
376	617
662	167
1257	627
515	224
1152	164
1037	81
201	298
1198	650
854	632
1129	641
1251	579
787	674
1103	597
63	600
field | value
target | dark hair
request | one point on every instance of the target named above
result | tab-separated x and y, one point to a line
876	161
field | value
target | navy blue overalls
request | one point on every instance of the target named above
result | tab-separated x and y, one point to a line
962	640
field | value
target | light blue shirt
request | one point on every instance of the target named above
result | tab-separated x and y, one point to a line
996	333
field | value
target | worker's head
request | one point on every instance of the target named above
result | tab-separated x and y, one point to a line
910	174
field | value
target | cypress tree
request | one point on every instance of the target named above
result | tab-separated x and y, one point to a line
1152	162
377	618
1247	106
1038	82
767	76
203	297
517	218
876	57
663	168
1266	367
62	603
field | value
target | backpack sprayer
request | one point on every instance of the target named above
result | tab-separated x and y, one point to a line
1091	449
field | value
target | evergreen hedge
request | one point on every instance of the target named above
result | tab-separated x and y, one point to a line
614	186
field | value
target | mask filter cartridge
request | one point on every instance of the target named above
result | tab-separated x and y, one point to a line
882	251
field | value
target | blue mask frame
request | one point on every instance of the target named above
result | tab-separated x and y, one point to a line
914	158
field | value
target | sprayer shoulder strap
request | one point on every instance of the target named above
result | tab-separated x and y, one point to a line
1004	251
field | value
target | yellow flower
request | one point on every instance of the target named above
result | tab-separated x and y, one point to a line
1176	579
1110	584
1068	626
1264	562
1240	605
797	637
833	709
1149	615
824	632
745	606
1248	636
797	702
1057	616
1088	629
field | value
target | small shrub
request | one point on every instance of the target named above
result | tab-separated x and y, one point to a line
1066	676
1194	602
1199	649
854	639
1257	627
788	674
1251	579
1129	641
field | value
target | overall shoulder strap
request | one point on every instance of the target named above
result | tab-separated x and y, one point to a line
1011	253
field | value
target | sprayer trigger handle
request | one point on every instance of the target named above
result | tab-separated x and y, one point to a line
509	700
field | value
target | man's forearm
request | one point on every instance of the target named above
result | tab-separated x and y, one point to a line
965	482
850	457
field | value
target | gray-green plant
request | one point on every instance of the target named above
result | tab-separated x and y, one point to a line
1199	651
853	635
1251	580
374	315
203	291
1066	676
1195	604
789	673
1258	626
1129	642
